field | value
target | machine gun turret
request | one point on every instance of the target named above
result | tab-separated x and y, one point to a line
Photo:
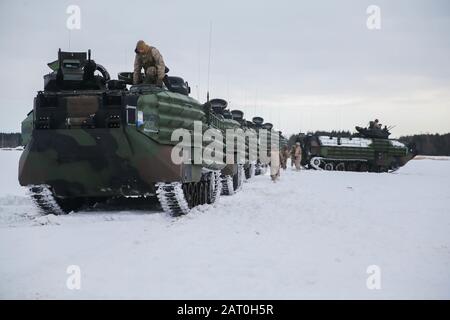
75	71
218	105
258	121
373	132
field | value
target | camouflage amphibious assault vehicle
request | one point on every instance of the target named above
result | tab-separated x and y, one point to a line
94	139
369	150
250	146
259	125
232	175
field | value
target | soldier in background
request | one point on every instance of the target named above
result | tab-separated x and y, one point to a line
275	160
374	124
377	124
297	156
149	59
284	156
275	165
293	155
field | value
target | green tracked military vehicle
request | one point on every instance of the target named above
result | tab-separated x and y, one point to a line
283	140
258	125
233	173
369	150
27	128
250	143
91	139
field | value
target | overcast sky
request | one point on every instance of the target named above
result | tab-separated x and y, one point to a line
300	65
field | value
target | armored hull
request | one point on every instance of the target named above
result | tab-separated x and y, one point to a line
354	154
91	141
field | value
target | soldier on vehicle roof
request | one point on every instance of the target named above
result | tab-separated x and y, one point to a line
374	124
150	59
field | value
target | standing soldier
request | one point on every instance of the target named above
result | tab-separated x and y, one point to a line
275	165
284	156
275	160
297	156
149	59
293	155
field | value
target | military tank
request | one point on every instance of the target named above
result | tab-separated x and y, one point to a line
369	150
92	139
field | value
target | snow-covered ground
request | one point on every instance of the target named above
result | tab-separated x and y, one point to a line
311	235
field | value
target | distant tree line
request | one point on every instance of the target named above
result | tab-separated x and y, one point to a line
10	140
426	144
430	144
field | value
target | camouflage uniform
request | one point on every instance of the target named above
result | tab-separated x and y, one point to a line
297	156
152	62
284	156
275	158
292	155
375	124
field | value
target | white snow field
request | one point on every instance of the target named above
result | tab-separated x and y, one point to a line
311	235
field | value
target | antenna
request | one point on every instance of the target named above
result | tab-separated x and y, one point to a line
59	73
279	118
228	86
391	127
69	38
209	59
198	70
